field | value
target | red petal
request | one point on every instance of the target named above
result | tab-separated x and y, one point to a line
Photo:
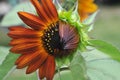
23	33
24	47
40	11
14	28
27	59
50	68
32	20
45	7
24	40
20	58
42	71
52	9
36	64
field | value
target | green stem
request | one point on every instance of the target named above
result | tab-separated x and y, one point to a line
62	69
59	73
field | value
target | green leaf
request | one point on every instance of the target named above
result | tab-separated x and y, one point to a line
3	53
106	48
19	74
104	69
7	65
100	66
12	19
64	75
78	68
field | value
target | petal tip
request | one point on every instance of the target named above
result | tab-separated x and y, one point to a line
20	13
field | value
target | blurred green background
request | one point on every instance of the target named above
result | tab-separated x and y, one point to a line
107	25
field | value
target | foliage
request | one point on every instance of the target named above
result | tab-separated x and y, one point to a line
106	48
7	65
78	68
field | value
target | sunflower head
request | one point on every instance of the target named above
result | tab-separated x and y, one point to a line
60	39
49	36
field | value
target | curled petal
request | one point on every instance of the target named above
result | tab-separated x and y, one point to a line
69	36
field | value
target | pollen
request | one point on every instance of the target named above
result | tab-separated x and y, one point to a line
51	38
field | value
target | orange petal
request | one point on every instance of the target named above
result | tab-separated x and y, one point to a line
24	40
24	47
85	8
35	65
40	11
32	20
83	16
24	33
88	7
28	58
88	1
50	68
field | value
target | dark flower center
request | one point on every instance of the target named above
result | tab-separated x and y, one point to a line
51	39
60	39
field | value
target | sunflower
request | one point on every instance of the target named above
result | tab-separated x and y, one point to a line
85	8
45	39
